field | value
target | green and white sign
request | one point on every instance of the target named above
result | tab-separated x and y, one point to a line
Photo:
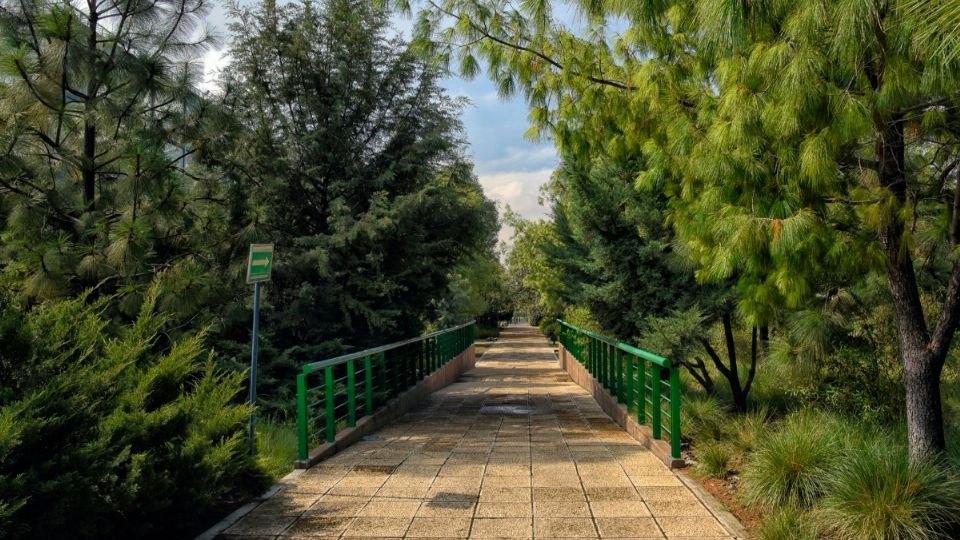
260	263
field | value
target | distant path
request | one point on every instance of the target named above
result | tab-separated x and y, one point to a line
512	450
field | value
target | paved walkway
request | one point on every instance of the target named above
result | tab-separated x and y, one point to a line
512	450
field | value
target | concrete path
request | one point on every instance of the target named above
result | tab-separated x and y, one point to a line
512	450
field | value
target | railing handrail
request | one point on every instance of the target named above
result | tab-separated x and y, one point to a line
336	360
646	355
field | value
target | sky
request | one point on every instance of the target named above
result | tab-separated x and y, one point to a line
511	169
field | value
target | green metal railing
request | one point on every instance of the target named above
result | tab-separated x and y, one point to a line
333	393
644	381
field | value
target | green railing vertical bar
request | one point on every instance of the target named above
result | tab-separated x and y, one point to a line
618	371
351	394
302	428
367	385
629	383
642	404
330	400
655	399
675	413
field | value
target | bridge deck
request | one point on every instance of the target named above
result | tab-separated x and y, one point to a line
512	450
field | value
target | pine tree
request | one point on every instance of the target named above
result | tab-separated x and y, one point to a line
99	117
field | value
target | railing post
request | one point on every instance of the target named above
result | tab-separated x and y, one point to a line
629	388
655	399
351	394
368	385
302	438
329	399
675	412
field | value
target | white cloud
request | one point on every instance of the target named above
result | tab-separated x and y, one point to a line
536	159
518	189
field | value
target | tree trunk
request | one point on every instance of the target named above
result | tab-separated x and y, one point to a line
922	360
924	408
89	165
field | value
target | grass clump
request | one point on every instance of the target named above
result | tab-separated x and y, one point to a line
875	493
790	466
704	418
788	523
276	447
714	459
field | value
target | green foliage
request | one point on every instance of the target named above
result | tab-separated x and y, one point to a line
874	492
99	126
381	228
789	523
704	418
749	428
115	431
713	459
792	465
276	446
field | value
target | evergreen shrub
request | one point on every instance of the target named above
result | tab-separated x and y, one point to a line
114	431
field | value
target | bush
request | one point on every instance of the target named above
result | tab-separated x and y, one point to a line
713	459
790	465
788	523
108	432
875	493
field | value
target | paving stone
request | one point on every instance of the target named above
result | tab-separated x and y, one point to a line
505	494
398	508
447	509
691	526
561	509
619	508
323	526
612	494
558	494
501	528
423	527
503	510
615	527
261	524
378	527
564	528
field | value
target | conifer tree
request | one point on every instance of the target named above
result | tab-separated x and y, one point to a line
99	116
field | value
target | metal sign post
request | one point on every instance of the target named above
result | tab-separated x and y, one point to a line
259	267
